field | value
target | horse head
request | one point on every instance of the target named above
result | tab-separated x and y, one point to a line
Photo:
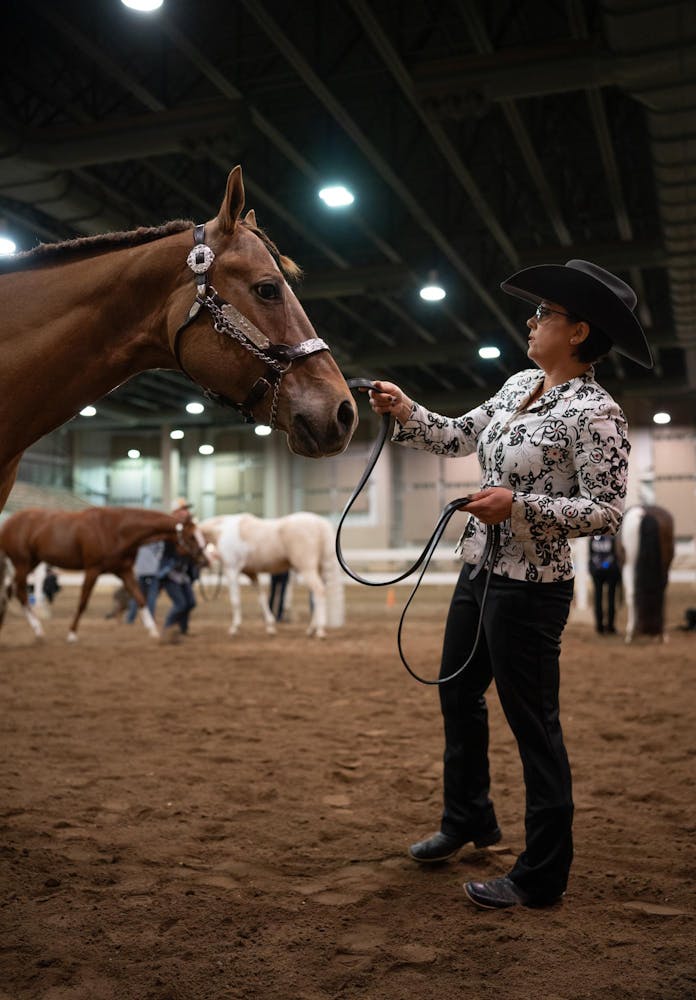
237	328
189	538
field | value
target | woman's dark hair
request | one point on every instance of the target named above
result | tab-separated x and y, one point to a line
596	344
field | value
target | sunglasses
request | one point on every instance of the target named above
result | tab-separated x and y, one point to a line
542	312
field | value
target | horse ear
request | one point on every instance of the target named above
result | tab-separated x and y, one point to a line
250	219
233	202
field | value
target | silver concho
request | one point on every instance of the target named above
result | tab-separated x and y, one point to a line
200	258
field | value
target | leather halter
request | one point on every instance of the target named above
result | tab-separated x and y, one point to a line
226	319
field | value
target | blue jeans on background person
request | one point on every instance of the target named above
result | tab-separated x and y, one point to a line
183	603
149	587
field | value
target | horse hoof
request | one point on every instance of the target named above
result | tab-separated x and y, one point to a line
232	631
270	630
72	637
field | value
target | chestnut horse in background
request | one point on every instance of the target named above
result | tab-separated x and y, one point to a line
647	542
97	540
81	317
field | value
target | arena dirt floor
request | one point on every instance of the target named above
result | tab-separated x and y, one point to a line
227	819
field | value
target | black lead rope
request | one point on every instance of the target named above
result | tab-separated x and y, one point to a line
423	560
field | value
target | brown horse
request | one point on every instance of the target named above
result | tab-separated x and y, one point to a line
96	540
80	318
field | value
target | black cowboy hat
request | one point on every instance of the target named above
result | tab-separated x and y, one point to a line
590	293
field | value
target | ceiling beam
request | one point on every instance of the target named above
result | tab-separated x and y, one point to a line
133	137
536	71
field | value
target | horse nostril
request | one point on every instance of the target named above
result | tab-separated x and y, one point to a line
345	417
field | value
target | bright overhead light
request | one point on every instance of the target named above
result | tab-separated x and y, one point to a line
176	435
88	411
195	408
133	453
263	430
336	196
7	246
142	5
489	352
432	290
432	293
206	449
661	418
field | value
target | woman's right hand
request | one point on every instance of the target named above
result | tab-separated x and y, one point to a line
390	399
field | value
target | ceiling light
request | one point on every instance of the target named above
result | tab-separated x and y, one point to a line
176	435
143	5
133	453
195	407
263	430
7	246
432	291
336	196
206	449
661	418
88	411
489	352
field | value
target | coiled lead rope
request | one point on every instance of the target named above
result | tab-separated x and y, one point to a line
489	555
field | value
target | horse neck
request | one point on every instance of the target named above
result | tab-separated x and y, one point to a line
139	531
87	324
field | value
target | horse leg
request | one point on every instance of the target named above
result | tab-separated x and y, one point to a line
87	588
22	594
235	601
262	598
629	592
317	625
133	588
40	602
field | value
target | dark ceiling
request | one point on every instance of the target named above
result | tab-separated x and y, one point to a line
479	137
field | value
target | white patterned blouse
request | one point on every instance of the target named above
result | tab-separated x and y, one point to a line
565	458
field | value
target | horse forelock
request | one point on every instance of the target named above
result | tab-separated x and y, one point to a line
291	271
87	246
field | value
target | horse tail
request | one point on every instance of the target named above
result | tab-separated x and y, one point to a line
333	580
650	579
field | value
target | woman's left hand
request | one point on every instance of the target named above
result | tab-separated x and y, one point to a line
491	506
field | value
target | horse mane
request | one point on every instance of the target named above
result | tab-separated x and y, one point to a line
82	246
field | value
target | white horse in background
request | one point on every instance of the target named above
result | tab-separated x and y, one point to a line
647	543
303	542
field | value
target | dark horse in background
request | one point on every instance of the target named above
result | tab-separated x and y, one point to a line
647	543
81	317
97	540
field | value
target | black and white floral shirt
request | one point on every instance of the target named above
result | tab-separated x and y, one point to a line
565	458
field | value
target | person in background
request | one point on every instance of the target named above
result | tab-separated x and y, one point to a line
176	575
51	586
605	571
146	568
553	450
276	598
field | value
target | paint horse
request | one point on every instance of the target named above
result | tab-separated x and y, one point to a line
302	542
81	317
96	540
647	543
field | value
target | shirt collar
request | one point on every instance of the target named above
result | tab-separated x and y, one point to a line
562	391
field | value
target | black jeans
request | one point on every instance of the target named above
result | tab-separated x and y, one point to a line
611	578
519	649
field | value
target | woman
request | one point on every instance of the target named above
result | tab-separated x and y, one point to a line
554	455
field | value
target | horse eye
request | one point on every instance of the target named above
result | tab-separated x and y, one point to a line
267	290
